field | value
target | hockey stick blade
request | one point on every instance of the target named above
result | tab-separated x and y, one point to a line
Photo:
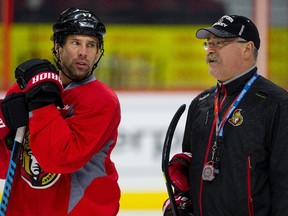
15	155
166	156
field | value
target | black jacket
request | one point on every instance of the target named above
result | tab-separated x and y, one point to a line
253	178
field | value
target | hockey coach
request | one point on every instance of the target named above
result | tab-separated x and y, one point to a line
236	131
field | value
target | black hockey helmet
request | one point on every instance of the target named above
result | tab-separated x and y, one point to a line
78	21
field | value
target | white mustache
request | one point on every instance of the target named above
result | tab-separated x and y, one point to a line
212	57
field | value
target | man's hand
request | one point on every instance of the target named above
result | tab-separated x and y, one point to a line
178	171
184	206
41	83
14	110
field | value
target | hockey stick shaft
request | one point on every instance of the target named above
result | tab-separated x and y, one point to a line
15	155
166	156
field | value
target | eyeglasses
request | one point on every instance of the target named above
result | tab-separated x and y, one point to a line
218	44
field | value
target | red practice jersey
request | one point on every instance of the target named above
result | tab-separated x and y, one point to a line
65	167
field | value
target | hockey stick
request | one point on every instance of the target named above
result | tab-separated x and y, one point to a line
15	156
166	156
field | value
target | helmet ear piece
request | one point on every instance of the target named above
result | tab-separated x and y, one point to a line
60	38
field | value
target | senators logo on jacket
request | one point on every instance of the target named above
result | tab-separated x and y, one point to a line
236	118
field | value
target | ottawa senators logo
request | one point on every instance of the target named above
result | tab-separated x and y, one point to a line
236	118
31	171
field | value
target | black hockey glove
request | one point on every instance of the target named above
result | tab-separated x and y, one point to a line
15	110
41	83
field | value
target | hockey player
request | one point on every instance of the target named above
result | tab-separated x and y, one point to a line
65	166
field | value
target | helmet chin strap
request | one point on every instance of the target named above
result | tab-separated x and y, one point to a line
58	61
96	63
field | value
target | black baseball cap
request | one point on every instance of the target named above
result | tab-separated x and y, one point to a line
232	26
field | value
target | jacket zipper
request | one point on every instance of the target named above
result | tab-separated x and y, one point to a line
224	92
249	188
205	160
